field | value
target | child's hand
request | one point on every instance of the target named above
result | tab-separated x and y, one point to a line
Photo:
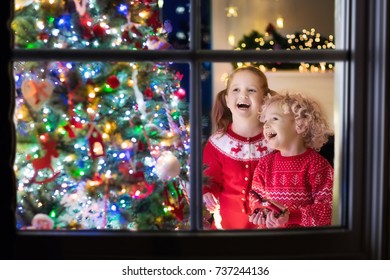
211	202
276	222
258	218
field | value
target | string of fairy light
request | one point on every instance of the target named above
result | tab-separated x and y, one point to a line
93	93
59	31
308	39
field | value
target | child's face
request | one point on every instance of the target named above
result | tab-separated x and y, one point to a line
245	95
280	130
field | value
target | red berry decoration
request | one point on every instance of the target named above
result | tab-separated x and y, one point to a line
180	93
113	82
148	93
98	30
43	36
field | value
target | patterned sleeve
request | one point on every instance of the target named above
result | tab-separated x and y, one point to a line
257	185
212	170
320	212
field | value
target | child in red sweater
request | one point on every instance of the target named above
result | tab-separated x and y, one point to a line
292	187
231	154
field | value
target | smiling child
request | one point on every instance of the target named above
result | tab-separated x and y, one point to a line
295	179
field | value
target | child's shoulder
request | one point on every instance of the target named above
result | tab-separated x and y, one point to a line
317	160
268	157
218	134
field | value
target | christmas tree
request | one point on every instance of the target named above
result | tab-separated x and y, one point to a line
65	24
100	145
273	40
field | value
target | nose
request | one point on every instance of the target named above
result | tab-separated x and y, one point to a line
243	95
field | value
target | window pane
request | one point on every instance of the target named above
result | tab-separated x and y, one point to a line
273	24
319	85
81	24
102	145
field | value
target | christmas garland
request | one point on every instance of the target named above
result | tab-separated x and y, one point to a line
273	40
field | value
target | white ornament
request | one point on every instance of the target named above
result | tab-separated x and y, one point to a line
167	166
22	3
37	94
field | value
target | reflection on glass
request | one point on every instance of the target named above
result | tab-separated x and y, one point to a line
102	145
273	24
318	85
81	24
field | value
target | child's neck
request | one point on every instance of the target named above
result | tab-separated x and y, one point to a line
293	150
247	129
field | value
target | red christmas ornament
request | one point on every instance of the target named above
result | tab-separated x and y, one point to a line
154	21
124	167
148	93
113	82
44	162
43	36
98	30
85	26
179	75
141	190
125	37
71	125
180	93
138	45
135	31
95	142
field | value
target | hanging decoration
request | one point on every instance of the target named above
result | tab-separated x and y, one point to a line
37	94
113	135
44	162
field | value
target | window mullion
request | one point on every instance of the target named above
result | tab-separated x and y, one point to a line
195	120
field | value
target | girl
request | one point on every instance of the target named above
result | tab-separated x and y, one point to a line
232	152
293	186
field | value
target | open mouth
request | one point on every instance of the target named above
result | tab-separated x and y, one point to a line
270	135
243	105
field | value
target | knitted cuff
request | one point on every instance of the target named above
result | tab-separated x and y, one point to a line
295	217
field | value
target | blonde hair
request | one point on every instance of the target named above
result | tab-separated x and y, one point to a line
222	115
307	114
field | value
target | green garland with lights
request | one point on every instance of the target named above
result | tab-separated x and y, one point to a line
273	40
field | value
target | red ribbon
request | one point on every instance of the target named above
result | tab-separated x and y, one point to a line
38	90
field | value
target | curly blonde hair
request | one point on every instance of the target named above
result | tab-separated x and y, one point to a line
307	114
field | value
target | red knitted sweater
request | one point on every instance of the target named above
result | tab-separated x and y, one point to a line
231	160
302	183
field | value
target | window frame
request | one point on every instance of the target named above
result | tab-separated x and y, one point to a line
364	233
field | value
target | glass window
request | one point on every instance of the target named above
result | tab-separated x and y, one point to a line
102	145
273	24
91	24
319	86
200	48
293	31
106	144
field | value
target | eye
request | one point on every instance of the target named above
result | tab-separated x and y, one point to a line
235	90
252	90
